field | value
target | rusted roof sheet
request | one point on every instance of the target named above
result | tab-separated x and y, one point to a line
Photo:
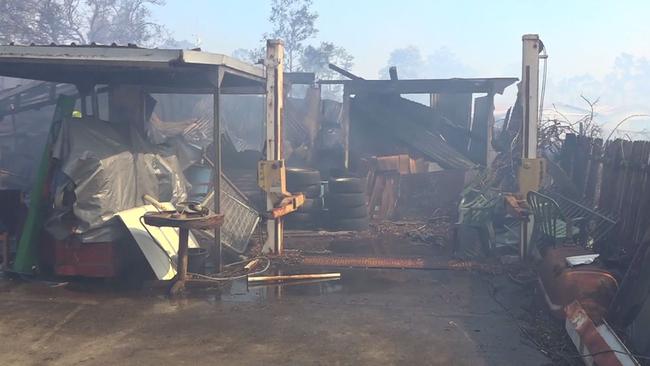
372	113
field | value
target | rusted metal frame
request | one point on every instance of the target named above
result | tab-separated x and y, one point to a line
392	263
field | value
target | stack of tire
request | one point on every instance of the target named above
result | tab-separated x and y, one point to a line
347	205
306	181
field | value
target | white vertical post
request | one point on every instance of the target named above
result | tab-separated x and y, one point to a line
530	85
274	101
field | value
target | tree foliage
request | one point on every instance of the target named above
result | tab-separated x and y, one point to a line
317	59
294	22
80	21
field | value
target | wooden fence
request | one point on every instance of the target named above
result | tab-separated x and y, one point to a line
614	177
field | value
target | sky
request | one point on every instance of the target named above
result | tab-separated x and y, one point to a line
593	45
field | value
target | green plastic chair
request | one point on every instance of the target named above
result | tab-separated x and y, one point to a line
551	225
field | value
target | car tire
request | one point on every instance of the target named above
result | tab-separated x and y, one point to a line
345	200
299	177
347	185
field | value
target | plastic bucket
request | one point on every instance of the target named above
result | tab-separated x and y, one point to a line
199	177
196	258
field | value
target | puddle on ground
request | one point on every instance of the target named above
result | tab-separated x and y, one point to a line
352	281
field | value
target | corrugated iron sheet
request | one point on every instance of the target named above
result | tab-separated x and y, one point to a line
401	121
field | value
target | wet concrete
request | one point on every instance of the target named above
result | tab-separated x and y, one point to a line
367	318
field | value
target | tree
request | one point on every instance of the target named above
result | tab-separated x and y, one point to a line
317	60
80	21
294	23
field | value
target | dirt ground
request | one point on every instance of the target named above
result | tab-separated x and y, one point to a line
369	317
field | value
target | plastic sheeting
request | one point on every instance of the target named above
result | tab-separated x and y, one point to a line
107	168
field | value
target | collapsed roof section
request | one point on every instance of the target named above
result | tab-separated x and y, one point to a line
425	86
446	131
378	122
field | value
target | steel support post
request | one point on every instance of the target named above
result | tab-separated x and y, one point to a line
216	174
274	105
530	86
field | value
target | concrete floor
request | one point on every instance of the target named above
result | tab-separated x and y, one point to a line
370	317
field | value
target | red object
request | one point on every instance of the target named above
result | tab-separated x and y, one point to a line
590	284
598	344
87	259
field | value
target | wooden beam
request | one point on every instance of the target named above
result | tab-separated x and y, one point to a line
344	72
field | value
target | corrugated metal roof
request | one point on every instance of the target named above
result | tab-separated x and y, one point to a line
396	124
125	56
112	64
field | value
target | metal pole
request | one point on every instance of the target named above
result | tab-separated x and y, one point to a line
216	132
274	101
181	261
530	85
345	109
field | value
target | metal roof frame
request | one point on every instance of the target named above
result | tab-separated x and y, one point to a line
162	68
424	86
154	70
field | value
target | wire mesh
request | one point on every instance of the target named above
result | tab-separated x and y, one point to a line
240	219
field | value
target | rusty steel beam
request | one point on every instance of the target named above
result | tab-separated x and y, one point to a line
392	263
